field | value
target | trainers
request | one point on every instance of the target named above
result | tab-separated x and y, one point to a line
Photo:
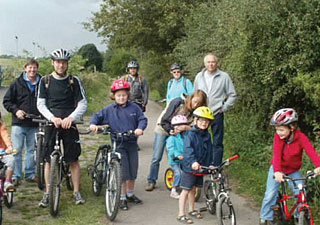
123	204
174	195
44	201
8	185
78	198
134	199
150	186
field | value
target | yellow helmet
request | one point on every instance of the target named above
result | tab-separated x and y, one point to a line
203	112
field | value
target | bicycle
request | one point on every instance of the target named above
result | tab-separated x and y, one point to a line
281	209
59	168
168	180
107	170
6	197
216	192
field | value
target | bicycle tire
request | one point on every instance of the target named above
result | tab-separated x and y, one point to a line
97	172
168	178
40	163
68	175
225	212
113	190
54	188
304	217
211	195
8	199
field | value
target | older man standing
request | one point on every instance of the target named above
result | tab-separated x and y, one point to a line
221	94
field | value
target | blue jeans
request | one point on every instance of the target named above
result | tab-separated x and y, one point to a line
19	136
159	143
177	175
270	196
217	132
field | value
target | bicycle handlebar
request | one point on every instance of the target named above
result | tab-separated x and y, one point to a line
224	163
50	123
32	116
3	152
107	130
310	174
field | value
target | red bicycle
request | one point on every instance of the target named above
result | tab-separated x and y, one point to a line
281	209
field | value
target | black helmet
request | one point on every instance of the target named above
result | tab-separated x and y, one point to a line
176	66
133	64
60	54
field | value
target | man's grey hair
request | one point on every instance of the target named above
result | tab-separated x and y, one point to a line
205	58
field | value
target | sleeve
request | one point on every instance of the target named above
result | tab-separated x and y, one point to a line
231	94
278	145
82	102
168	95
190	89
145	92
100	117
165	120
41	101
142	120
188	150
10	98
5	136
310	150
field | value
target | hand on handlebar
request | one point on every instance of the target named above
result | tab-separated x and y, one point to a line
317	171
67	122
20	114
94	128
278	176
9	150
57	121
138	132
196	166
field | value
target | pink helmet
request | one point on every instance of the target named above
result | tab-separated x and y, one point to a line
179	120
120	85
284	117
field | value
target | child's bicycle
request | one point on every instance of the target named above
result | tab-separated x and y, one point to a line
107	170
216	192
282	212
5	197
168	180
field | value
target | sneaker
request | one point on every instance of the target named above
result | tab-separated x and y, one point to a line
44	201
16	183
123	204
265	222
134	199
8	185
174	195
150	186
78	199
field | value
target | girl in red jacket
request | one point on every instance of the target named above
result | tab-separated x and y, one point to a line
288	146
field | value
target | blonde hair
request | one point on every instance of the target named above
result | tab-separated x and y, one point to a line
111	95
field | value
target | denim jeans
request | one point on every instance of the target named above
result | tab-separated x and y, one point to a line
270	196
19	136
177	175
159	143
217	132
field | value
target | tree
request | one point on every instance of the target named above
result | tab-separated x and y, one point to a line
93	56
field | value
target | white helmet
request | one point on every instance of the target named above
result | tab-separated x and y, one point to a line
60	54
284	117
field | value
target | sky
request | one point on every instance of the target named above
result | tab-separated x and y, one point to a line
44	25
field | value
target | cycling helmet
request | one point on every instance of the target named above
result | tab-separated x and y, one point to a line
176	66
133	64
179	120
203	112
120	85
284	117
60	54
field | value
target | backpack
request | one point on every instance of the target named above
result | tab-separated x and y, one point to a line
184	83
47	79
140	78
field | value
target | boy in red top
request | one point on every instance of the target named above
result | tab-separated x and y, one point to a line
288	146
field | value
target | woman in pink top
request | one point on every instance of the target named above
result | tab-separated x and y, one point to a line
288	146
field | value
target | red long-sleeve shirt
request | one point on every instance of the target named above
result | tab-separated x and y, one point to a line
289	159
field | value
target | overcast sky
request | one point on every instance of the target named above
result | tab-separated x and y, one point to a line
49	24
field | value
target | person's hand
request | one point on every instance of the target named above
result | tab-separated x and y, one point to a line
212	167
138	132
172	132
221	110
9	150
93	128
20	114
180	157
67	122
195	166
317	171
57	121
278	176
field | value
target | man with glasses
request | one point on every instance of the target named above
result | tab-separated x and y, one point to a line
221	94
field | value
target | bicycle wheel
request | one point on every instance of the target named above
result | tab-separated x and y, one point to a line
8	199
304	217
54	190
69	182
97	172
168	178
225	212
211	195
113	189
197	194
40	162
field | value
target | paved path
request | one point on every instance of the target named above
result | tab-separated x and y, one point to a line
158	207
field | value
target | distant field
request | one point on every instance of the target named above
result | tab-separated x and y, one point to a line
12	63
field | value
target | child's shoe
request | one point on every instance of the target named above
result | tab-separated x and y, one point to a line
8	185
174	195
44	201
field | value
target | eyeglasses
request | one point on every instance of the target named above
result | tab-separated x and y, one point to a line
203	120
174	72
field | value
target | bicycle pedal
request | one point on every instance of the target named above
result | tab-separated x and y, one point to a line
274	207
11	190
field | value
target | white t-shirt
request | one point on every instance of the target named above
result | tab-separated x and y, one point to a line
209	79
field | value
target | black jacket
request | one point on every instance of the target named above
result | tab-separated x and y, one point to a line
19	96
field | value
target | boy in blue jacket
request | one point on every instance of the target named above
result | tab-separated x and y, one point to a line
197	152
123	116
175	150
